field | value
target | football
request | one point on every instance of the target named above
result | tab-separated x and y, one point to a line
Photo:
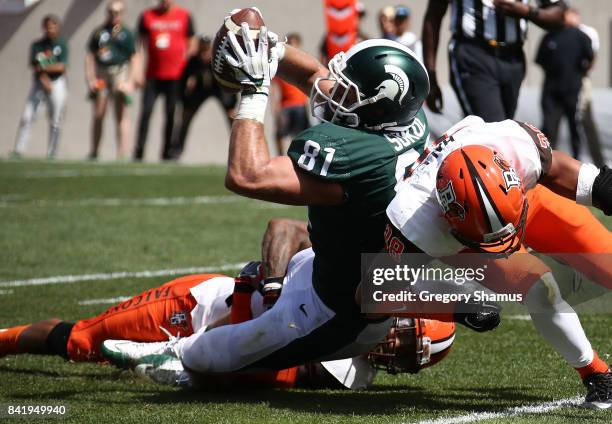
223	72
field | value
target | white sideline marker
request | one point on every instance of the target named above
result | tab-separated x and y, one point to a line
540	408
69	279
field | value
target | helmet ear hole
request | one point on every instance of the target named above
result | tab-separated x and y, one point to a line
482	165
503	189
461	173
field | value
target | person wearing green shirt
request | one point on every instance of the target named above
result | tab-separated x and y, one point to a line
48	59
109	67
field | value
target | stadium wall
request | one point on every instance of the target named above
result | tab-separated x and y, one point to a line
209	135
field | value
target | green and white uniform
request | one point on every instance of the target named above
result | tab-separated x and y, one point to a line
369	166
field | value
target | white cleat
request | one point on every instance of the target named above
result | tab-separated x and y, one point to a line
164	369
127	354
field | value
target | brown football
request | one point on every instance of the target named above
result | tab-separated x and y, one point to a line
223	72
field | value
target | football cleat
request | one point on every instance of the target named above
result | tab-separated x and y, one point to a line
479	316
127	354
164	369
599	391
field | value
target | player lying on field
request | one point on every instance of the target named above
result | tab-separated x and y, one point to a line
203	301
480	188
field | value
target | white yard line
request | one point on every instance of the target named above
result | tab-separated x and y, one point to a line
72	173
517	317
69	279
146	201
103	301
540	408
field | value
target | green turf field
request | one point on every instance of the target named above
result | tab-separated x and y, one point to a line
73	219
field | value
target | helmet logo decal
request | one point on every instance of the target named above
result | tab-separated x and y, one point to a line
398	83
449	204
511	178
494	220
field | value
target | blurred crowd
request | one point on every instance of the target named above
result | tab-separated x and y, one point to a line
165	56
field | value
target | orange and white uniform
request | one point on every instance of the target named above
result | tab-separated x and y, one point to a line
555	226
182	306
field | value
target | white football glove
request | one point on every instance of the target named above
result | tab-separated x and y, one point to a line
256	66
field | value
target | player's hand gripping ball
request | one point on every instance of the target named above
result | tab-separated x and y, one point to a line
239	53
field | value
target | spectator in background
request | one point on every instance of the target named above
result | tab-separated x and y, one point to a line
386	23
402	31
197	85
565	55
167	31
487	63
109	69
289	105
585	109
48	59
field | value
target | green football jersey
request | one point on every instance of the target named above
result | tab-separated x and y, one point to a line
369	166
46	52
111	46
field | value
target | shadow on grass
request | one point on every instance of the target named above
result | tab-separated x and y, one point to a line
376	400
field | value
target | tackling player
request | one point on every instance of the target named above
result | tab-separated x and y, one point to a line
487	180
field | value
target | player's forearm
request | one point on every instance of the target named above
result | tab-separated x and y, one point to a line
587	184
283	239
300	69
90	74
431	32
549	18
55	68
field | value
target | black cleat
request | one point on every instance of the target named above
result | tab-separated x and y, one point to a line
599	391
479	316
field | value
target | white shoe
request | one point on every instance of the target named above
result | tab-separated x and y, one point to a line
126	353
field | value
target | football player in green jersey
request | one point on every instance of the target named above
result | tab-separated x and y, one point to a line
344	169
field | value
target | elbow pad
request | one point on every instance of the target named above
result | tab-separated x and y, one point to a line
602	190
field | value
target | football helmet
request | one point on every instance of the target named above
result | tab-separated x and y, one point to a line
413	344
377	85
483	199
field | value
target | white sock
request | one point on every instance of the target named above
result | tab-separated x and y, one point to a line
558	323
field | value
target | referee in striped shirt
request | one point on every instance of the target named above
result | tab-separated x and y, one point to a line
487	63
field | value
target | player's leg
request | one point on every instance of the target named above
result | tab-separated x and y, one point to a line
139	319
151	91
582	242
299	328
56	107
551	114
28	116
99	106
171	96
574	121
513	74
190	105
122	118
475	80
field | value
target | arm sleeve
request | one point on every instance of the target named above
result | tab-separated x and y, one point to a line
63	57
541	143
320	156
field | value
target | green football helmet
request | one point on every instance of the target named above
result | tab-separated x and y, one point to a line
377	85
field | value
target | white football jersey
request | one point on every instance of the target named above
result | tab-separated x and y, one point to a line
415	210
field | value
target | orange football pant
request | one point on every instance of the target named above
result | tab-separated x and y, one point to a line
138	318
